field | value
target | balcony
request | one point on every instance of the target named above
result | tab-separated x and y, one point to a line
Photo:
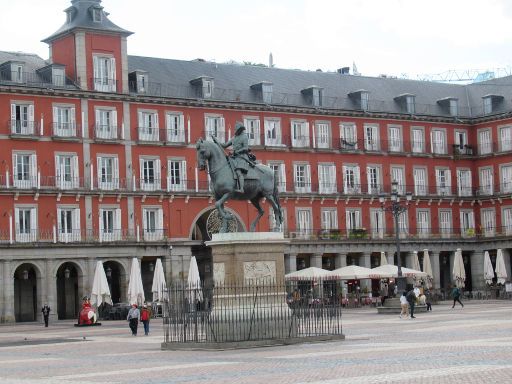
23	128
148	134
65	130
36	79
103	84
107	132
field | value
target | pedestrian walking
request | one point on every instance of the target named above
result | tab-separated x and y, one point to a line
405	306
411	299
456	297
46	314
428	299
133	318
145	315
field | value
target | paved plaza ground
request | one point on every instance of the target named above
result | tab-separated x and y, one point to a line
469	345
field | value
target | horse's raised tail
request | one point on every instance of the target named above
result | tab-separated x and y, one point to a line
275	194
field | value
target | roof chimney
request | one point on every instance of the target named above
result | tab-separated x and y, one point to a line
270	60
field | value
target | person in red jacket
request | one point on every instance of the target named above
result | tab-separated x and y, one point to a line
145	315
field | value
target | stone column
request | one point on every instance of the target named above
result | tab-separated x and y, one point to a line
167	264
409	256
436	271
8	288
315	260
507	258
477	270
290	263
89	276
450	263
340	260
365	261
50	296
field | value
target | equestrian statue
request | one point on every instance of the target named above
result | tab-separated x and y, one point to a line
237	176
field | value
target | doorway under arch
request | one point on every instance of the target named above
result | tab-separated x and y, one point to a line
116	280
26	303
68	295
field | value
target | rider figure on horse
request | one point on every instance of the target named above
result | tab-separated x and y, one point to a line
240	156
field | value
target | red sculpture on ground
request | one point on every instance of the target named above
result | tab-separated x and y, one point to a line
87	315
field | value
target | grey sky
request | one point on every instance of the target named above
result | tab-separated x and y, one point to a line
381	36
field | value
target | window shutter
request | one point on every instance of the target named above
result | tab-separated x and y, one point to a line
33	169
58	171
31	113
72	118
345	178
96	66
222	129
13	112
183	169
358	223
112	74
308	178
115	173
55	119
141	173
155	116
98	118
158	172
432	141
99	171
33	224
114	122
357	178
160	220
306	133
75	172
118	220
76	224
448	179
141	120
100	224
282	171
347	221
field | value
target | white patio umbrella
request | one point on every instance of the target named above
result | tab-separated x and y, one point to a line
351	272
311	274
427	268
458	273
100	291
501	270
392	271
135	288
415	261
383	259
159	287
194	281
488	271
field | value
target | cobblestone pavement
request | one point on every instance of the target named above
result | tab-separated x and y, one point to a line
462	345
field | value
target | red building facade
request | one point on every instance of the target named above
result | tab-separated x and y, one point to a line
99	162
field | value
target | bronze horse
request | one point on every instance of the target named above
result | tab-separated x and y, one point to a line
224	183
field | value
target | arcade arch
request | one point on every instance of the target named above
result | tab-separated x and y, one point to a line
27	292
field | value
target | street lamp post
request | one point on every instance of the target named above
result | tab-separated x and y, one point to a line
396	209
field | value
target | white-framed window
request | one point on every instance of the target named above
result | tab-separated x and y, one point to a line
464	182
403	224
22	119
506	138
488	222
25	170
506	178
302	178
215	126
395	138
273	224
64	121
371	138
377	223
467	223
148	126
418	140
506	219
110	224
365	101
423	222
443	181
108	172
177	175
266	92
486	181
25	219
348	136
175	125
373	176
438	142
398	175
17	73
153	223
461	141
279	174
273	136
487	104
300	133
445	223
252	127
150	174
454	107
207	88
329	219
106	124
484	142
304	222
410	104
420	181
68	224
353	220
351	179
104	73
67	171
327	178
322	135
96	15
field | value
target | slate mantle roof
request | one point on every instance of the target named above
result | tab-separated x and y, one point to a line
80	14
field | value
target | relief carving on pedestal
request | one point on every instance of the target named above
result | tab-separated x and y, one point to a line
219	273
257	270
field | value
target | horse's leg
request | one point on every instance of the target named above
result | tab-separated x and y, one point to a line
256	202
219	204
277	212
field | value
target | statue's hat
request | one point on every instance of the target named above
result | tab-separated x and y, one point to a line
239	127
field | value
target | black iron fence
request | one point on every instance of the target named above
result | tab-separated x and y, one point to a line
250	312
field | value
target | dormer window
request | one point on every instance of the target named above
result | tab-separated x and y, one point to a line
53	74
408	102
204	86
139	81
96	15
450	105
265	89
13	71
360	98
314	95
490	103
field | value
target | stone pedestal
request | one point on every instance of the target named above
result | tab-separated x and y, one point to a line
392	305
249	299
